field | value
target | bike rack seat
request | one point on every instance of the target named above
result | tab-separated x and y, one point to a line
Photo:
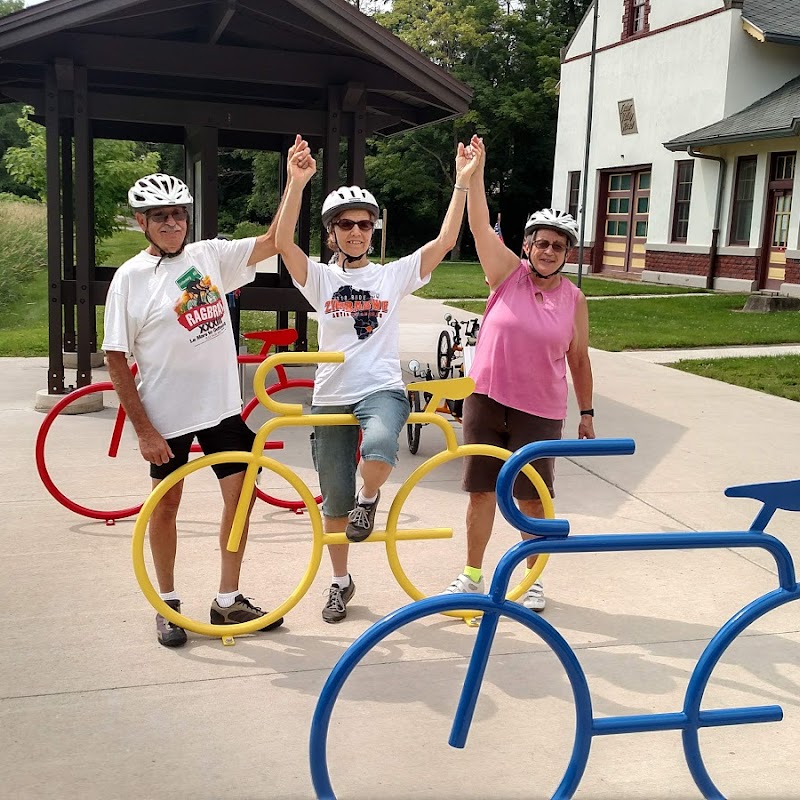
783	495
282	337
444	389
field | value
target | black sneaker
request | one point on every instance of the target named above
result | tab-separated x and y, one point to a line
242	610
169	634
336	608
361	520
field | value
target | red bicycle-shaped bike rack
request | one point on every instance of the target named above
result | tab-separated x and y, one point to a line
278	338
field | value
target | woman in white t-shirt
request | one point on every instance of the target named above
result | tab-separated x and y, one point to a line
357	304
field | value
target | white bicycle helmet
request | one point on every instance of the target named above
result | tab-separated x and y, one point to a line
555	220
158	190
348	197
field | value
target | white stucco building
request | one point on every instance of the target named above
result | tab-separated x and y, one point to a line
695	133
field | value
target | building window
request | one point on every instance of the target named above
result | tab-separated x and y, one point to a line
635	17
743	193
683	193
783	167
637	24
574	193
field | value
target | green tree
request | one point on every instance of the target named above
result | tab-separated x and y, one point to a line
117	165
413	174
508	52
10	6
10	134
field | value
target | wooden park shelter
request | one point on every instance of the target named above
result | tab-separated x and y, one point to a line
205	74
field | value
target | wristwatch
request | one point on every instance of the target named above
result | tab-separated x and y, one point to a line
587	412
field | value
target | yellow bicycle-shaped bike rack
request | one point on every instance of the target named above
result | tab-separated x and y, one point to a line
291	415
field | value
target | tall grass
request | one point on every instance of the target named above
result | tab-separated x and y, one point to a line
23	231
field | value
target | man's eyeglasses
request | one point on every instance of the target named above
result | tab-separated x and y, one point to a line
159	217
543	244
349	224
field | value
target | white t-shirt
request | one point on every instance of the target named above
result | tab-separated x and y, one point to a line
357	314
176	322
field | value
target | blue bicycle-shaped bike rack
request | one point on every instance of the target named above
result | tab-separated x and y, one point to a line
554	539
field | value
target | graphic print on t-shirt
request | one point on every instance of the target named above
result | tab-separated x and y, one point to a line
359	304
200	309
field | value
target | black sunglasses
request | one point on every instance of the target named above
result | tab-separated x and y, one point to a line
349	224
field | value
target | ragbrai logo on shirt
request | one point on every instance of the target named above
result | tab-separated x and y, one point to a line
200	305
361	306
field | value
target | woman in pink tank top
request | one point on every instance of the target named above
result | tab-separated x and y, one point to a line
536	325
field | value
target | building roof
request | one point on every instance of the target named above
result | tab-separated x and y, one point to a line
279	56
772	20
774	116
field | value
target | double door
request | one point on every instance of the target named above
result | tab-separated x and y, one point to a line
626	196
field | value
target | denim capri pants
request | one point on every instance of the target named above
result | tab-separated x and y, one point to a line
381	416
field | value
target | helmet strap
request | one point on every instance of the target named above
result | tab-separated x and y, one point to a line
163	253
349	259
539	274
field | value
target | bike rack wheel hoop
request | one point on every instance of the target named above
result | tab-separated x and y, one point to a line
451	454
454	389
109	515
447	604
226	632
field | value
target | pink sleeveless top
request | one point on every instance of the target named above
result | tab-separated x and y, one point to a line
520	359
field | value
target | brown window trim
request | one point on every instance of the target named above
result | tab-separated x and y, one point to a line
629	18
679	165
732	240
573	190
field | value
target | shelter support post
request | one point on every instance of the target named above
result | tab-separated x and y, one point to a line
84	228
55	374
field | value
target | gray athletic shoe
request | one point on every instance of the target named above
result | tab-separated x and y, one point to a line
169	634
361	520
336	607
242	610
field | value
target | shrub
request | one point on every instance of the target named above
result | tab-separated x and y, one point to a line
245	229
23	229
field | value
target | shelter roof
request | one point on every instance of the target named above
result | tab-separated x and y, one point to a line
774	116
277	55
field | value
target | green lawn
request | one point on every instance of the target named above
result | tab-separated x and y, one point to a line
778	375
670	322
465	280
122	246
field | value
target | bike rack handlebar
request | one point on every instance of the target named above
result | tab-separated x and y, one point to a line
549	449
278	359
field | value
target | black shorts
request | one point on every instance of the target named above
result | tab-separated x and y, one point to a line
486	421
230	434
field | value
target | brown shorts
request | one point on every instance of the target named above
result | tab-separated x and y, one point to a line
487	422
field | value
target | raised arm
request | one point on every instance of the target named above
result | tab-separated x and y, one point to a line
434	251
497	261
300	169
265	244
580	367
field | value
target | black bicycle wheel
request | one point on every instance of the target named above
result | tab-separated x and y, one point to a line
444	354
412	430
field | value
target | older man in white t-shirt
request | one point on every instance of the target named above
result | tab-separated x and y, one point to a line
166	306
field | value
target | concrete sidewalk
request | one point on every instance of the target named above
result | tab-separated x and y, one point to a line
92	707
